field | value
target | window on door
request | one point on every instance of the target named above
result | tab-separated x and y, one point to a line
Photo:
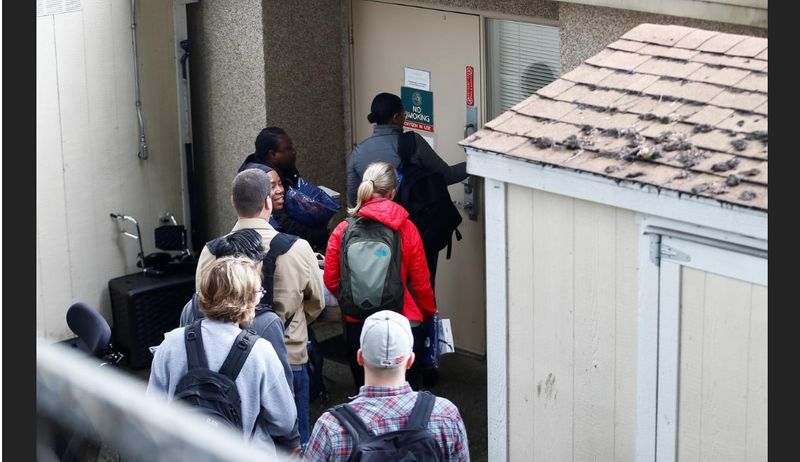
523	58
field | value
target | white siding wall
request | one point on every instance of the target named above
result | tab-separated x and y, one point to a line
86	146
572	328
722	407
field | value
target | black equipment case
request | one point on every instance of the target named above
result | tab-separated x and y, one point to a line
143	309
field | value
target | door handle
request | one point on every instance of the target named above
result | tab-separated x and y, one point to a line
466	129
472	121
471	190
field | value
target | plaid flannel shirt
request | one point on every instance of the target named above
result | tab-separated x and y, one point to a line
386	409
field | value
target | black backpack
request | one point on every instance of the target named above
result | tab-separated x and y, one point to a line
214	394
423	193
279	245
414	443
370	266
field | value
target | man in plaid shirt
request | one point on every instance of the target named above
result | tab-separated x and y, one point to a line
386	400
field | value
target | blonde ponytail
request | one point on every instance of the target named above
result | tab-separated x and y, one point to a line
379	180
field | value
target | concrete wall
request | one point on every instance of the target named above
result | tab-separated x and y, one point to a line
86	150
542	9
746	12
228	101
572	341
303	49
256	64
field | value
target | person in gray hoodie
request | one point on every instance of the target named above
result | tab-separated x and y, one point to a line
267	324
230	288
388	114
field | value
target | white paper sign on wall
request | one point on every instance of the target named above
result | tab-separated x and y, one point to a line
417	78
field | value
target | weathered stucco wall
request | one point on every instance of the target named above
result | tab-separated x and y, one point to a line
303	70
256	64
228	101
585	30
543	9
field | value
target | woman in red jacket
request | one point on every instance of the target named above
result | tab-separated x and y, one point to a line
375	193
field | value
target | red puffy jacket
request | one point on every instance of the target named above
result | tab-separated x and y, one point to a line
414	266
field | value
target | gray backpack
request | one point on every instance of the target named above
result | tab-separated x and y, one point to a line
370	269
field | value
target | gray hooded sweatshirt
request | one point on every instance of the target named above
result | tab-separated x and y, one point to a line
261	382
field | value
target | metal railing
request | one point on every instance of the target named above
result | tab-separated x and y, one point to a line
107	405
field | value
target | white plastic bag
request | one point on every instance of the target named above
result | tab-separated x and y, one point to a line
446	344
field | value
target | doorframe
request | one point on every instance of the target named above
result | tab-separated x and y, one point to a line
482	81
181	32
483	15
665	246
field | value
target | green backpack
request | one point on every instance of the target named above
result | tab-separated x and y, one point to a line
370	269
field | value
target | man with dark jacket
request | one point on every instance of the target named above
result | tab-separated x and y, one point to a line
274	148
388	115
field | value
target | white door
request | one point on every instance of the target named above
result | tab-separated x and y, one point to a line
712	354
441	48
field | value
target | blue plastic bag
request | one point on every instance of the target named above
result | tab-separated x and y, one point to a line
430	352
309	205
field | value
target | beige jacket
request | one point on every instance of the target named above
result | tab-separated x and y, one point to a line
298	292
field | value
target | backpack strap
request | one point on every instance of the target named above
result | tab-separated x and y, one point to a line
406	146
239	352
195	353
345	234
350	420
196	306
279	245
450	241
421	413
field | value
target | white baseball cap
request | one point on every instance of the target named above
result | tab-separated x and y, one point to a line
386	340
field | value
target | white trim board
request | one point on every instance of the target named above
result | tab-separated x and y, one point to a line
692	228
647	350
727	263
625	194
668	361
496	320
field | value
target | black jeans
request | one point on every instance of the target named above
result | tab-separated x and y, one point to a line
352	338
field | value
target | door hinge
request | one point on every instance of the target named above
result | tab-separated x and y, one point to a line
671	253
350	32
659	251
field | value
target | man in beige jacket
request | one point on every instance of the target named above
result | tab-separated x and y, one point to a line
297	288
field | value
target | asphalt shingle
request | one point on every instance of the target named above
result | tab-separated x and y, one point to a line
669	106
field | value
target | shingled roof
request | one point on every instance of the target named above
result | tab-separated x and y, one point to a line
673	107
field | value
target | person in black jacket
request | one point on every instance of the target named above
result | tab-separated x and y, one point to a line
274	148
388	114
